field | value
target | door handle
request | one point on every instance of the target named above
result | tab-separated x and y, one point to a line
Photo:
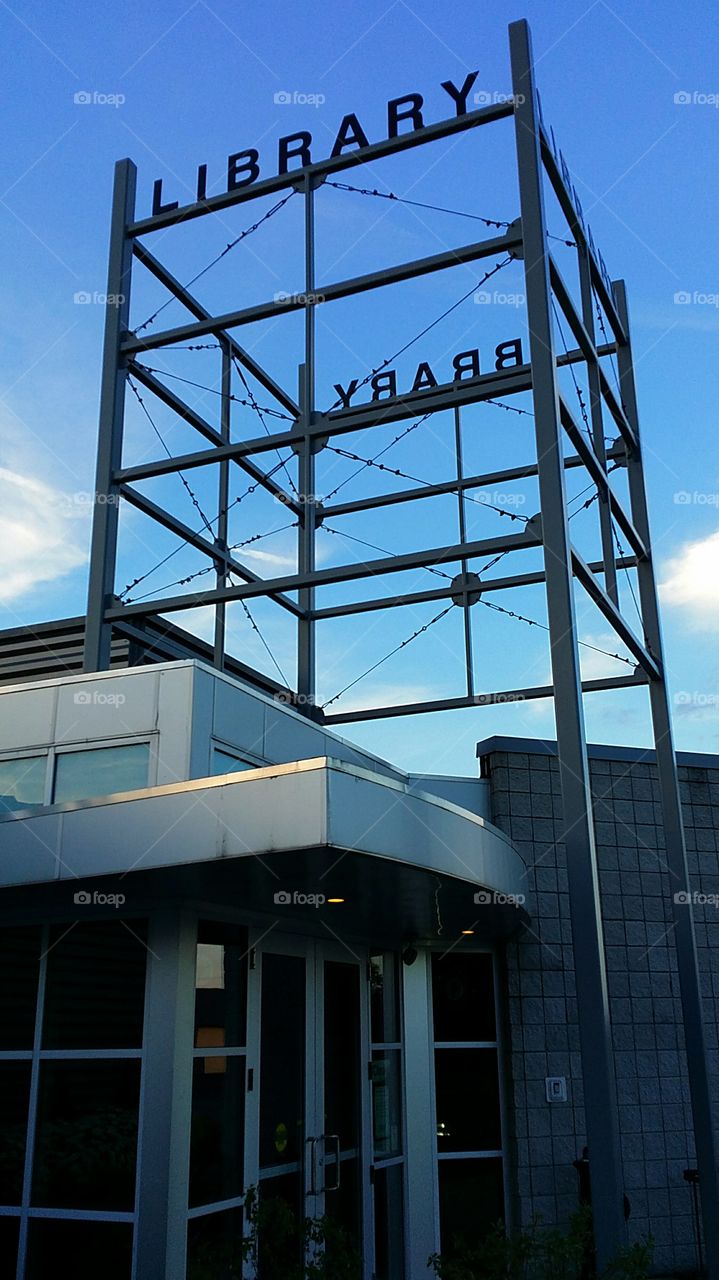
334	1139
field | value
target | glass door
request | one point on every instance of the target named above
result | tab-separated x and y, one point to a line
311	1104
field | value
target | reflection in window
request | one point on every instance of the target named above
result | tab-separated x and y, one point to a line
20	956
389	1222
220	986
225	762
86	1142
95	986
22	783
100	771
386	1103
83	1250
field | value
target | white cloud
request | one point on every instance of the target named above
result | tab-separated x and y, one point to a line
692	581
40	533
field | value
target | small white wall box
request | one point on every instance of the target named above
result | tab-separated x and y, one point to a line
556	1087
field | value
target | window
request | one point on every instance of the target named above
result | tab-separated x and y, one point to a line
387	1118
218	1079
22	783
225	762
468	1112
71	1018
100	771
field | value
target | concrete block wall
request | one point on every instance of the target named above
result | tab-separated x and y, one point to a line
654	1116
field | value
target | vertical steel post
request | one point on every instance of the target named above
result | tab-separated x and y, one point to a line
163	1165
223	498
306	651
103	553
705	1135
595	408
462	519
578	826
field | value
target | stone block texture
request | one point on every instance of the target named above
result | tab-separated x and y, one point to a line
542	1033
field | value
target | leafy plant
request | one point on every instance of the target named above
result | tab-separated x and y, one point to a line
540	1253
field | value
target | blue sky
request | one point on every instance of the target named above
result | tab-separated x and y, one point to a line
631	92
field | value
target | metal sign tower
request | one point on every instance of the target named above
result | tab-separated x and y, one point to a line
561	445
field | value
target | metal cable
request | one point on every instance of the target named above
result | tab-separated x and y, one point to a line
387	656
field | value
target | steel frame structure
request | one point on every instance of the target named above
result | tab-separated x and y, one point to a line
296	592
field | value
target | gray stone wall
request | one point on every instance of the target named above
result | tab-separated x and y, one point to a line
543	1035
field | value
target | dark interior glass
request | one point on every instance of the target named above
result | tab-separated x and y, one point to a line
467	1092
14	1096
95	992
86	1145
220	986
384	997
81	1250
214	1246
463	997
282	1086
389	1223
471	1201
341	1080
19	957
9	1236
217	1141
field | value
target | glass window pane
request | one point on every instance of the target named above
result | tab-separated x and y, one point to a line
387	1102
389	1223
9	1236
217	1141
14	1095
101	771
95	993
20	957
384	997
282	1055
471	1201
87	1135
463	997
467	1091
22	783
82	1250
214	1246
224	762
220	986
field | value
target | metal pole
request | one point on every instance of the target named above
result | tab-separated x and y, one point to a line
306	653
223	497
469	666
705	1135
103	554
578	834
597	416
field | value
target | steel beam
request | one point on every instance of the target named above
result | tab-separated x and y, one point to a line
557	181
476	700
444	593
103	554
165	277
705	1134
194	419
327	293
323	168
607	606
194	539
577	827
338	573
